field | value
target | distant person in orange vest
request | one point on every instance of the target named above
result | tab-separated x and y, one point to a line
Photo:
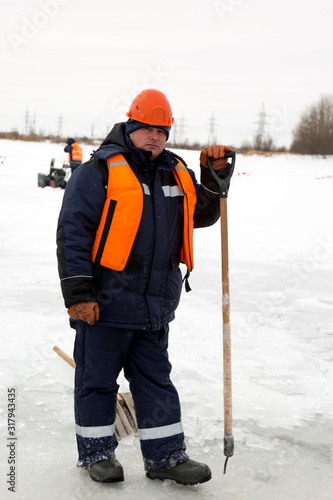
74	151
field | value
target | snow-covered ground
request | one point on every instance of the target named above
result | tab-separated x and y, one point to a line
281	278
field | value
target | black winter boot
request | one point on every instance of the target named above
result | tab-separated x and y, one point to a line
106	471
187	473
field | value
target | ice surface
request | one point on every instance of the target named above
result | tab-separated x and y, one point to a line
280	214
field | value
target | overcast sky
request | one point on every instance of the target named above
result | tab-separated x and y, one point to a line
85	60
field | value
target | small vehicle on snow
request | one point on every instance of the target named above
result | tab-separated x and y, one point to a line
57	177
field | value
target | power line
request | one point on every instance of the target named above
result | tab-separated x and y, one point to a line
179	130
26	121
262	121
212	126
33	124
60	123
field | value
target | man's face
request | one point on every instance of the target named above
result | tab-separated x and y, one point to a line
150	139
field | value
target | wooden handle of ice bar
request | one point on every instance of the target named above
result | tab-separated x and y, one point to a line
226	320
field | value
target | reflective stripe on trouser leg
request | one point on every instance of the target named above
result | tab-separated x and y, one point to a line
98	356
156	400
95	444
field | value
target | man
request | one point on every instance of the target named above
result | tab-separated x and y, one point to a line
125	225
74	151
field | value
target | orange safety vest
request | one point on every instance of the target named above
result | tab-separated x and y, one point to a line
122	214
76	153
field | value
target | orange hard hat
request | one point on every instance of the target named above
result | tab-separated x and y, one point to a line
151	107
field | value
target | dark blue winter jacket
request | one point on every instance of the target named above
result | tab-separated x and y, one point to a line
146	294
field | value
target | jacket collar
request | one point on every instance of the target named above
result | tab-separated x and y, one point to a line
117	142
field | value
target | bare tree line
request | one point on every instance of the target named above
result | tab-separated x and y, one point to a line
314	132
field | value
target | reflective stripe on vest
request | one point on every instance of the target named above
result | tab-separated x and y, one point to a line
76	152
185	183
122	214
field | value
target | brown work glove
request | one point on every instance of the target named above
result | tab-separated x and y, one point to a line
215	154
85	311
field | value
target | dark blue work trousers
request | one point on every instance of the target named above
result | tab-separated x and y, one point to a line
100	354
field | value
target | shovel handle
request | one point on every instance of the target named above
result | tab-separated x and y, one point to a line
64	356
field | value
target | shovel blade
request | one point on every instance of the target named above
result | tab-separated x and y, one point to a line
126	423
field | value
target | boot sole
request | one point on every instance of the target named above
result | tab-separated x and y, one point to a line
185	483
108	480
